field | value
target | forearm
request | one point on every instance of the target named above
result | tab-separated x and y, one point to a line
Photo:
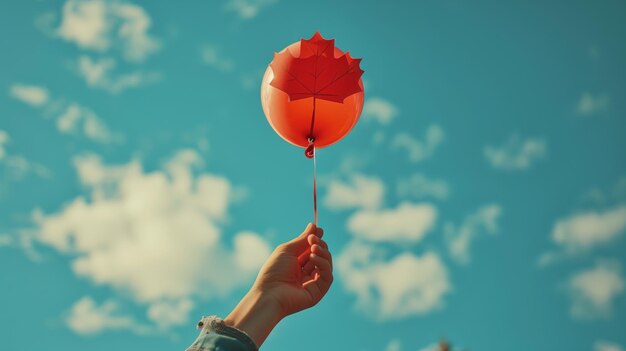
256	315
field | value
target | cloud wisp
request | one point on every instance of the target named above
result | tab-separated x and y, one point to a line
86	317
420	150
516	153
590	104
459	239
4	139
603	345
582	232
379	110
71	118
247	9
587	230
593	291
212	56
16	166
420	186
100	74
32	95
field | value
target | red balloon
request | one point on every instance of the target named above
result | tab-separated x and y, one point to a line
292	115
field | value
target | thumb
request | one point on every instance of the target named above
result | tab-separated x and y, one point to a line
299	244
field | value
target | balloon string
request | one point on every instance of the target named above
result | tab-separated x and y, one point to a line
310	153
314	186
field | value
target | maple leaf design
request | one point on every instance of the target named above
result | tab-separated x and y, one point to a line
316	73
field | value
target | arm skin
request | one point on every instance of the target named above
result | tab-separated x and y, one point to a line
295	277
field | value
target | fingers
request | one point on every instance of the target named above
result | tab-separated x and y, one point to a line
304	257
315	244
318	287
312	239
308	268
322	252
324	267
320	248
299	244
307	265
319	232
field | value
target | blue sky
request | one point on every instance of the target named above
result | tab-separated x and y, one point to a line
480	198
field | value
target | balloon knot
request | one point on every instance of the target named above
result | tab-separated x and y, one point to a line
310	150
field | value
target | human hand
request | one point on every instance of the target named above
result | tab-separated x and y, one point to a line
295	277
298	273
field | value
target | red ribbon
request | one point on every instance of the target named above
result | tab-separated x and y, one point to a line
310	153
310	150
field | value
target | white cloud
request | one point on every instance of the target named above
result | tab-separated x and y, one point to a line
603	345
379	137
409	222
379	109
420	150
73	119
211	56
4	139
593	291
249	81
154	236
99	74
431	347
247	9
602	196
353	163
33	95
590	104
5	240
459	239
17	166
86	317
550	257
587	230
403	286
250	250
516	154
167	314
85	23
394	345
420	186
137	43
100	26
360	192
80	120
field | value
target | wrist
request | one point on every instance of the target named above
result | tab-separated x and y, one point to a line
256	314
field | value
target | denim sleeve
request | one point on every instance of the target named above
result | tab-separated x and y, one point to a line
217	336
